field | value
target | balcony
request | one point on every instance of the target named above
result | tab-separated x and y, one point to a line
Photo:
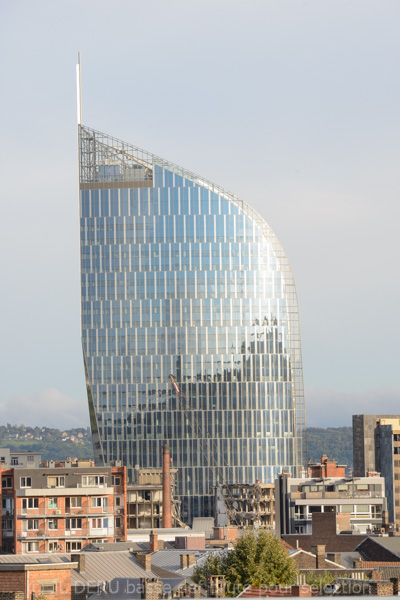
334	495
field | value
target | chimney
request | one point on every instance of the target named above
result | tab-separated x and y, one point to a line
80	559
151	588
167	517
216	586
319	552
187	560
153	541
144	560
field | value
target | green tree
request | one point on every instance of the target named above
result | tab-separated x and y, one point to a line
258	559
319	580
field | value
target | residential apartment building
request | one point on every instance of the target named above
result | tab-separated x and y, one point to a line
61	509
359	503
29	460
376	447
180	276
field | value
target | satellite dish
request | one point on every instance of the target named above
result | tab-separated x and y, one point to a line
235	505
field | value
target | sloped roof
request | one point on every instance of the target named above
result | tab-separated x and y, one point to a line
116	547
171	560
389	572
99	566
392	544
205	524
130	589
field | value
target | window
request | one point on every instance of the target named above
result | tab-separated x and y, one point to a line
31	458
116	480
56	481
53	502
99	523
73	523
53	524
118	522
117	501
100	501
14	460
92	480
30	503
26	482
362	508
6	482
32	524
7	524
376	510
74	502
7	504
53	546
346	508
72	546
31	546
48	588
2	459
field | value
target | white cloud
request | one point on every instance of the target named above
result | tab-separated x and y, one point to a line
48	408
329	408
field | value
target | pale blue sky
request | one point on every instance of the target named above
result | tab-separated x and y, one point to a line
294	106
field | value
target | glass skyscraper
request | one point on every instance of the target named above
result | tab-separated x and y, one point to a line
181	277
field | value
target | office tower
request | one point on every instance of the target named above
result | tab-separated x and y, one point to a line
376	447
181	277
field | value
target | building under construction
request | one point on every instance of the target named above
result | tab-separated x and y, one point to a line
246	504
150	499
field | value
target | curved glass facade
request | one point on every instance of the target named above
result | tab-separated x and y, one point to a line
180	276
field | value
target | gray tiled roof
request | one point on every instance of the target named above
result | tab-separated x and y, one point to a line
390	543
117	546
99	566
389	572
127	589
171	560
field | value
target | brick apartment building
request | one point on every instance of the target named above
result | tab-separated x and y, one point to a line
62	507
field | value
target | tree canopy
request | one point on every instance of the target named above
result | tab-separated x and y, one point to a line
259	558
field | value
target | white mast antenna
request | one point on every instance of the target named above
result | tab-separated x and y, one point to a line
79	90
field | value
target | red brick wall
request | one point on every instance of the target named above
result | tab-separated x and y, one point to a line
12	581
63	585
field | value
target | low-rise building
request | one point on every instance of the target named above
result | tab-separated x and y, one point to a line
30	580
63	508
28	460
359	503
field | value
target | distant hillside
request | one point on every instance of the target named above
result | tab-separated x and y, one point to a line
335	442
54	444
58	444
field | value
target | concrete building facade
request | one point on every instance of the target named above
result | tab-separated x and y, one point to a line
358	503
376	447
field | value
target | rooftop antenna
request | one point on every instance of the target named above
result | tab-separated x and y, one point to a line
79	90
